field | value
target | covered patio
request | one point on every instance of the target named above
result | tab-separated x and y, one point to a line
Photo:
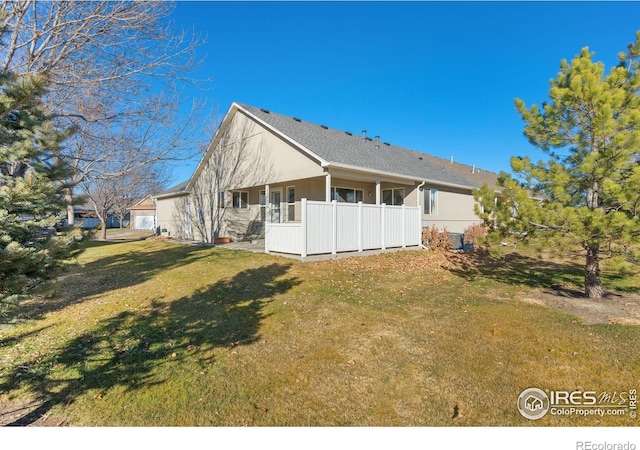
333	227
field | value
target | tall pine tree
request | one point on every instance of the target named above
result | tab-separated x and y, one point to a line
31	179
587	194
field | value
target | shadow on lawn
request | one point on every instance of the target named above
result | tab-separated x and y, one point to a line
126	349
517	269
109	273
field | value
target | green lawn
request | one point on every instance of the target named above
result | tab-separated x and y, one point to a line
151	333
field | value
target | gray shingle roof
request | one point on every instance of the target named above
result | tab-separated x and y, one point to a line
345	148
176	190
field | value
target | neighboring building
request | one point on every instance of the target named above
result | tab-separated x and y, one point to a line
86	216
260	166
169	206
143	214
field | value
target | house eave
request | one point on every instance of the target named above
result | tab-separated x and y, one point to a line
171	194
392	175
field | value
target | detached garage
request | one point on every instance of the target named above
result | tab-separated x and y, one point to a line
143	214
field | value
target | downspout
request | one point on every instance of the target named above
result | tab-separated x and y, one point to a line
156	228
420	186
327	187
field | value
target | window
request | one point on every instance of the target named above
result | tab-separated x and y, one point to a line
347	195
263	205
240	199
393	197
291	203
431	202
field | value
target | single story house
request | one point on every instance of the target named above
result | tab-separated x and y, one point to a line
308	188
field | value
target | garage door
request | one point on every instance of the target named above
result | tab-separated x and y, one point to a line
143	223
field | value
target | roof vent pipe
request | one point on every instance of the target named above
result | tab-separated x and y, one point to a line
473	168
364	135
377	141
452	158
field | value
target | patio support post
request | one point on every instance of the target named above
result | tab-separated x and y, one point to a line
334	226
303	221
327	188
360	225
382	231
420	228
378	192
266	219
404	219
267	204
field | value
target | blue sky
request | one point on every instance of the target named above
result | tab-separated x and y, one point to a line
436	77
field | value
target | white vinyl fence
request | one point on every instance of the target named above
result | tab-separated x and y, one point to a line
332	227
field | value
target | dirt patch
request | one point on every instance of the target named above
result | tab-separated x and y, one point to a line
18	413
615	308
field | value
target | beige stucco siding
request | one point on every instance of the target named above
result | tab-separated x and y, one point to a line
245	157
169	215
260	157
455	210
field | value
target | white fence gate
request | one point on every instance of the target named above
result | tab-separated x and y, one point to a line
332	227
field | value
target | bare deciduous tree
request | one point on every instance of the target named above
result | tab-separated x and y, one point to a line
104	150
99	43
116	194
236	159
137	185
115	69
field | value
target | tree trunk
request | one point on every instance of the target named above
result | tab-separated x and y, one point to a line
102	215
103	229
68	199
592	283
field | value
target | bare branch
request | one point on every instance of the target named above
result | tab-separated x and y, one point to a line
114	68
